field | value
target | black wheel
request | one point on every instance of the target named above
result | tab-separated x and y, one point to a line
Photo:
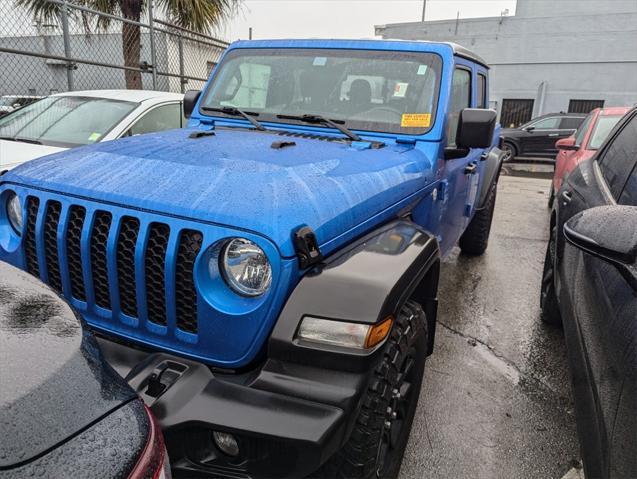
509	151
548	298
475	239
376	446
551	196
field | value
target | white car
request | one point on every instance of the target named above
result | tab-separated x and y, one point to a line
66	120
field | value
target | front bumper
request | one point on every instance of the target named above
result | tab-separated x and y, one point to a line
288	418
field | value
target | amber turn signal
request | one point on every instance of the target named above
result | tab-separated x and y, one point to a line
378	332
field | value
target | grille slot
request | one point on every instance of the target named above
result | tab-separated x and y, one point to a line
99	237
154	269
118	263
52	257
186	294
75	224
126	241
30	251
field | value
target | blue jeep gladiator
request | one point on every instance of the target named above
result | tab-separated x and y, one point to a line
266	279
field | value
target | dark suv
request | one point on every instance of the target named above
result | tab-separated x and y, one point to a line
590	286
538	136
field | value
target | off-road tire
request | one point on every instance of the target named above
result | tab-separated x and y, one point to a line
551	196
550	310
359	457
475	239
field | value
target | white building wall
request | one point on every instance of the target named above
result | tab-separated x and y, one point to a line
579	49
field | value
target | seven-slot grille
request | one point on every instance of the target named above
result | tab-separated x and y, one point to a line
44	243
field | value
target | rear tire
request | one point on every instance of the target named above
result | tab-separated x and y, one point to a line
475	239
376	446
548	297
551	196
509	151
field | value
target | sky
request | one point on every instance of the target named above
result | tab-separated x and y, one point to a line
346	18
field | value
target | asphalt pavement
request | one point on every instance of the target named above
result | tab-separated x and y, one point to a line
496	401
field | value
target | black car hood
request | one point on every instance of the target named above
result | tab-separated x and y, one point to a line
53	381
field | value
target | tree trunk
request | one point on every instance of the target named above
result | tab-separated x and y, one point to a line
131	42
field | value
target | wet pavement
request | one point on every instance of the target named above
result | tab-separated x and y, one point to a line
496	397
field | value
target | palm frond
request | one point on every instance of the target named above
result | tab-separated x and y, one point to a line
41	10
199	15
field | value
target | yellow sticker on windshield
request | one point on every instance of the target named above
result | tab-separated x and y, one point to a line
415	120
94	137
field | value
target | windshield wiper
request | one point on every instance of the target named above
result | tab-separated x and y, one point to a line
318	119
19	138
230	110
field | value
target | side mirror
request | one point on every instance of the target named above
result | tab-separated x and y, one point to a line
567	144
608	232
190	100
475	128
529	129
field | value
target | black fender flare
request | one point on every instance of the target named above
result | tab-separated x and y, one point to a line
365	282
493	165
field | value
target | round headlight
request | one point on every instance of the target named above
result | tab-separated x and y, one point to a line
246	267
14	212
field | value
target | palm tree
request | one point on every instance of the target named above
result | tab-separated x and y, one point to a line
198	15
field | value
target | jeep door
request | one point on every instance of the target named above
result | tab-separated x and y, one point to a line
457	173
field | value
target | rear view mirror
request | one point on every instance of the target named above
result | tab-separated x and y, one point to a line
529	128
608	232
190	100
567	144
475	128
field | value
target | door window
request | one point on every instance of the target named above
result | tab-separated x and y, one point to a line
482	91
550	123
629	195
460	99
619	158
165	117
571	122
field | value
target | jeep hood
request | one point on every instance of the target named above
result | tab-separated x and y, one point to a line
236	178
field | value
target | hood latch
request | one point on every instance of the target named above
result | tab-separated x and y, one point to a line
307	248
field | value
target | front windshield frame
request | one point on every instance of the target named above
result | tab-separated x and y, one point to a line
53	99
384	128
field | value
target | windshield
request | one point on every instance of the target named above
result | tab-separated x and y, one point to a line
394	92
603	127
65	121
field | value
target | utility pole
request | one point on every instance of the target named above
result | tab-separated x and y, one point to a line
424	7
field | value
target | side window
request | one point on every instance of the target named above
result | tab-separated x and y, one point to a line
482	91
570	123
165	117
620	157
629	195
581	131
460	99
550	123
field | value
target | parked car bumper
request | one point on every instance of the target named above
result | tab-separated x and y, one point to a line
287	418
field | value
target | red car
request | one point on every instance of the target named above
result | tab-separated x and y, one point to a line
583	143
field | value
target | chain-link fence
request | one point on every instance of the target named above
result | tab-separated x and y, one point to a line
77	48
